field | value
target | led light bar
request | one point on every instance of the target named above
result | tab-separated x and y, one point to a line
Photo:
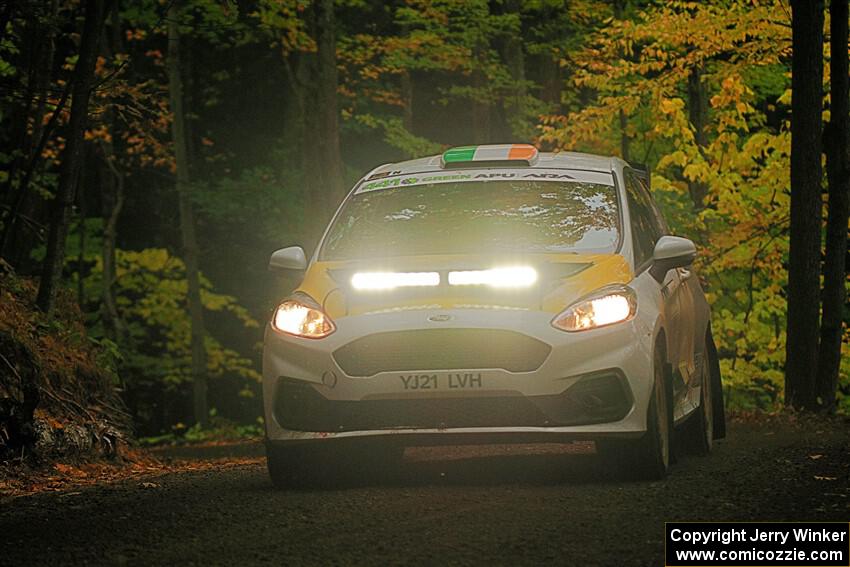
372	281
520	276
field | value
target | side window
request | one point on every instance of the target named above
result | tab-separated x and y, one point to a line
645	223
644	188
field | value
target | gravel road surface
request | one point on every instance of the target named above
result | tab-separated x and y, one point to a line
512	505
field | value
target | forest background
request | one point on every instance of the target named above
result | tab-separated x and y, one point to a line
217	131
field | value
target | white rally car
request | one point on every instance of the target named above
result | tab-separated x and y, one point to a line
491	294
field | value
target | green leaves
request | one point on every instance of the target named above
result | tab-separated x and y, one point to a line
151	296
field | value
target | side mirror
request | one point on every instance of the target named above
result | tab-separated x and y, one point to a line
671	252
291	258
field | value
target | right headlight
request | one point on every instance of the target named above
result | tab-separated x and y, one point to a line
607	307
302	319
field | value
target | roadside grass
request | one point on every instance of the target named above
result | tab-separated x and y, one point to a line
220	430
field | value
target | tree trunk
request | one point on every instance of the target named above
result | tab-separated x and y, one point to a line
698	115
328	168
552	82
72	157
30	67
838	175
801	349
6	13
187	220
297	67
30	145
407	99
480	104
515	62
625	142
112	201
81	253
43	80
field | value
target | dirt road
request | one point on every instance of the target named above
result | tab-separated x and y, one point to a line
486	505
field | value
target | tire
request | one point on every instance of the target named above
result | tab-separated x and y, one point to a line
717	388
698	433
648	458
288	466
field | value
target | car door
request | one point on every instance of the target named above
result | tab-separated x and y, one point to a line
647	227
686	298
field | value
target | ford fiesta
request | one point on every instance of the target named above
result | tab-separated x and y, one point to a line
492	294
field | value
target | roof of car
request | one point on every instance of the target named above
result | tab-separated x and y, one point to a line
545	160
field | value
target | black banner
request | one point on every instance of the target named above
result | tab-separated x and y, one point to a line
767	544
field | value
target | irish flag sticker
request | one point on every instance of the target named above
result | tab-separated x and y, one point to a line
498	152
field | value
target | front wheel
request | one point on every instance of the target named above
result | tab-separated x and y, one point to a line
648	458
698	434
288	466
654	448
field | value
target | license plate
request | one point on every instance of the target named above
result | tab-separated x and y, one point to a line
442	381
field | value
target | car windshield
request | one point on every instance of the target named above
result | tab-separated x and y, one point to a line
476	217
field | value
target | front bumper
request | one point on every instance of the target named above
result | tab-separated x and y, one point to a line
484	373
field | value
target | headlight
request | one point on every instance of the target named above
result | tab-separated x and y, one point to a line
296	318
613	305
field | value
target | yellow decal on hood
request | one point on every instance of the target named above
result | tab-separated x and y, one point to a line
328	282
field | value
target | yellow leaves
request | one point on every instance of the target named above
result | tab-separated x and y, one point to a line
671	106
679	158
642	68
697	172
149	259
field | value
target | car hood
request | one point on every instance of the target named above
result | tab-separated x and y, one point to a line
563	278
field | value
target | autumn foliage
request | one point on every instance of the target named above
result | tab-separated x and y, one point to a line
698	91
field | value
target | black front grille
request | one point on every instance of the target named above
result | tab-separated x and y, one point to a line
594	399
441	349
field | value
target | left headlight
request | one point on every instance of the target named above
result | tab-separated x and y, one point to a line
302	320
607	307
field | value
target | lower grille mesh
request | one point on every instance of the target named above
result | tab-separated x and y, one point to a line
441	349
